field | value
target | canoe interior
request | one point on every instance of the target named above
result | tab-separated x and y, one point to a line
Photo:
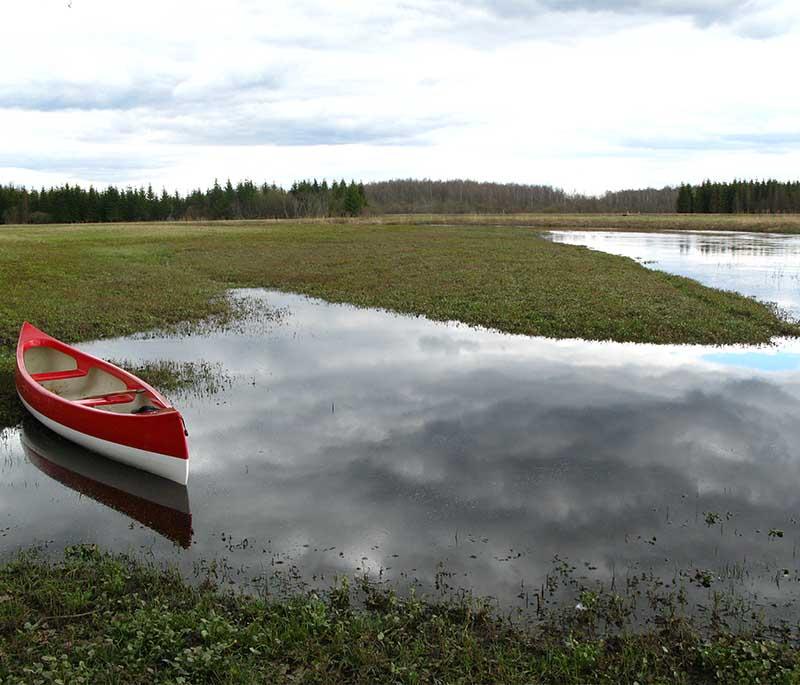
95	382
43	359
61	374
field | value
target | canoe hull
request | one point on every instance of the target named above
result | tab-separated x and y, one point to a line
173	469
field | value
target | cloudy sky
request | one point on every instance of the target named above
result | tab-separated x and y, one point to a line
588	95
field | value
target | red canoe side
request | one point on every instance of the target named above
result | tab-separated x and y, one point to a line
158	432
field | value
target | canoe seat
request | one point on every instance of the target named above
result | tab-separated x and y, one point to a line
116	398
58	375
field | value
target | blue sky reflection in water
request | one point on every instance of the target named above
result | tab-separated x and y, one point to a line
356	440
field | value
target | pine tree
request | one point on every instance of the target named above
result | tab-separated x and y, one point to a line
684	205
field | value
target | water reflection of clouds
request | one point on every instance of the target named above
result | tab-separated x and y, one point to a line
381	435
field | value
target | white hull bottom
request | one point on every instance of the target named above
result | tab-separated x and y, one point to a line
162	465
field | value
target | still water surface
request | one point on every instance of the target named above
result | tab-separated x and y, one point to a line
350	440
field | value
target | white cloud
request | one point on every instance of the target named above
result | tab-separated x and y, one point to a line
587	95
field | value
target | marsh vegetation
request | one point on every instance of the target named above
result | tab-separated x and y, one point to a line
96	618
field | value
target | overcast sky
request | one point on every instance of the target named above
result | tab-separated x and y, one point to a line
588	95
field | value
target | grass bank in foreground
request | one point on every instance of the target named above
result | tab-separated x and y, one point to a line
96	618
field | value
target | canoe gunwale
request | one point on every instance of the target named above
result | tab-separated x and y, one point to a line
83	360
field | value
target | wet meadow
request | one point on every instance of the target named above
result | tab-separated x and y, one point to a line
546	492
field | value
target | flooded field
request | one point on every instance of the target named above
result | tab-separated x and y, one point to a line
759	265
345	441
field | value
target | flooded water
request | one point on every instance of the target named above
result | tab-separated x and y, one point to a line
766	267
348	440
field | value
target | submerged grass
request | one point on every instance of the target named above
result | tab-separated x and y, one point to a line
97	618
92	281
180	379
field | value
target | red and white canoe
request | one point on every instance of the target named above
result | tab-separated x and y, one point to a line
100	406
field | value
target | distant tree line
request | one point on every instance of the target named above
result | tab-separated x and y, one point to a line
739	197
410	196
245	200
248	200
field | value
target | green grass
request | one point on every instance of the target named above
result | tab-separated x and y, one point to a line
83	282
96	618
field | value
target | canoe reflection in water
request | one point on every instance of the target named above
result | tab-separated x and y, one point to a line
157	503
